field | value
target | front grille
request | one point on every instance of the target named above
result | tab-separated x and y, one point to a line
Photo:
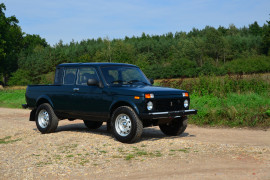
169	105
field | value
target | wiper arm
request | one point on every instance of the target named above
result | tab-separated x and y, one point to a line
117	81
135	80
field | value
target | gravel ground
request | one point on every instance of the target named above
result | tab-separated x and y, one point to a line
74	152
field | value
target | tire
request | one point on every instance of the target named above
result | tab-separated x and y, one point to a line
126	125
175	127
46	120
92	124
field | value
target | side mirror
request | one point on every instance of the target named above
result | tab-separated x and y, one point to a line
92	82
151	81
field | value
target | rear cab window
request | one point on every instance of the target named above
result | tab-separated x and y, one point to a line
58	78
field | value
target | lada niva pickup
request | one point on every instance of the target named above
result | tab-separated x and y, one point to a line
115	93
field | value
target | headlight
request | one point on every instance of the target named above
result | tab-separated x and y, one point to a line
149	106
186	103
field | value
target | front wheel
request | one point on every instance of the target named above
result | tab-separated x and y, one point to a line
174	128
127	127
45	118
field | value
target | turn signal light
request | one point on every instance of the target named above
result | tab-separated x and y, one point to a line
149	96
136	97
185	94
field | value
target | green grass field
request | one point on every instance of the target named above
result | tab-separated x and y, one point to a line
220	101
232	101
12	98
234	110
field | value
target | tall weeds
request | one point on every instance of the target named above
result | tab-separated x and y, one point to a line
228	101
221	86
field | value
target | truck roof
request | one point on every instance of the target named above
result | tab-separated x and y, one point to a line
97	64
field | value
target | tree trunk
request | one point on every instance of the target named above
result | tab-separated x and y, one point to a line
4	80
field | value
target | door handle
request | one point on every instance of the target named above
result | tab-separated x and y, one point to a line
76	89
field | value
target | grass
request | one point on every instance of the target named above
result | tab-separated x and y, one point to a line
41	163
84	161
70	156
234	110
6	140
129	156
186	150
103	151
12	98
232	101
136	152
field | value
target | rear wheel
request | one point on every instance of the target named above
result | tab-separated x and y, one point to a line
92	124
126	125
45	118
174	128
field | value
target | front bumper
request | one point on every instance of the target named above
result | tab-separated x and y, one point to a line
167	114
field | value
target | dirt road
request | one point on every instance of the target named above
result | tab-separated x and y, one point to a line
74	152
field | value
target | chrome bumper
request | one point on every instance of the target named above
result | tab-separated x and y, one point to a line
167	114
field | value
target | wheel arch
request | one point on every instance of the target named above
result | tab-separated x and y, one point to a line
44	99
120	103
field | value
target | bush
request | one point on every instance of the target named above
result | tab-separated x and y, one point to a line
220	86
259	64
20	77
47	78
233	110
230	100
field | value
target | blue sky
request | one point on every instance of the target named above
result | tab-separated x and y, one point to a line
87	19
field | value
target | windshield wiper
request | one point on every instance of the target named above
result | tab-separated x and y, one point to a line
117	81
135	80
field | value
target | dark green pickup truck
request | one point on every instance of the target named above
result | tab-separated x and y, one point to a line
119	94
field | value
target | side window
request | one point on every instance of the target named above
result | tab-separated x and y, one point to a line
86	73
58	79
70	75
111	75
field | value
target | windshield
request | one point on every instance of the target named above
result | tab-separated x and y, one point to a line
119	75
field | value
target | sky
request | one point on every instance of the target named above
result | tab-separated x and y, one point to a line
86	19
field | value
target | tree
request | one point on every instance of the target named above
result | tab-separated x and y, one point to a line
31	42
266	39
214	43
10	43
255	29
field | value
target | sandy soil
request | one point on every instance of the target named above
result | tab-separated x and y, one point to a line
74	152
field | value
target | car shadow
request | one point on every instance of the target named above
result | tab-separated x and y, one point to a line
149	133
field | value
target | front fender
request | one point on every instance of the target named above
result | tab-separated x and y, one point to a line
124	101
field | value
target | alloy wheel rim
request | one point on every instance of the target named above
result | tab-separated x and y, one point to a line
43	118
123	125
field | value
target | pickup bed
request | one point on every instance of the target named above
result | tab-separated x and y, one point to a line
119	94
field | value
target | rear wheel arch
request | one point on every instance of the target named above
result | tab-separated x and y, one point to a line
43	100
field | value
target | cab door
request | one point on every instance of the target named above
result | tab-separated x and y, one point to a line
63	94
88	99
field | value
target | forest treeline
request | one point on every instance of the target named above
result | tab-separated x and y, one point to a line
29	59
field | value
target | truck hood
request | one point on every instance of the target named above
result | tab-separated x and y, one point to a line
140	90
